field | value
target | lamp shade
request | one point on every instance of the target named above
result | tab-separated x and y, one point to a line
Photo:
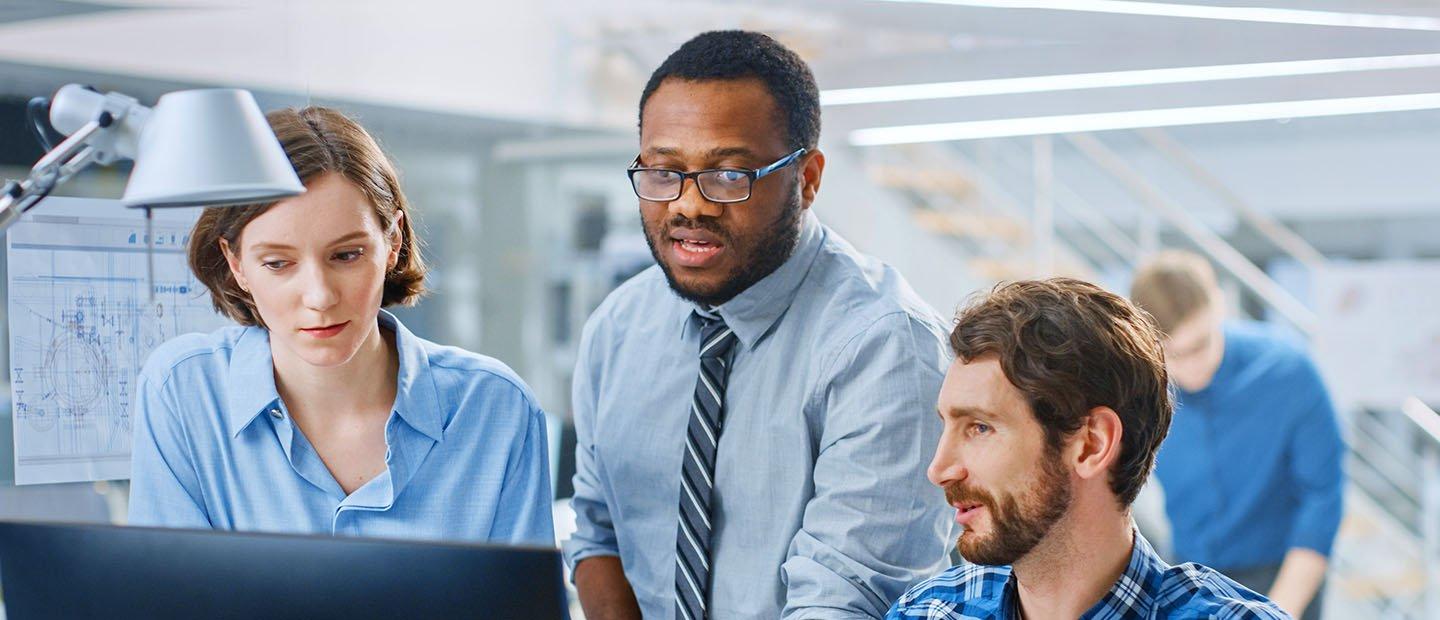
208	147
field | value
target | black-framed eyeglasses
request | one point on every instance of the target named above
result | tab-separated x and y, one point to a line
721	185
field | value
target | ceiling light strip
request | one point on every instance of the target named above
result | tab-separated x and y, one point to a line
1268	15
1114	79
1169	117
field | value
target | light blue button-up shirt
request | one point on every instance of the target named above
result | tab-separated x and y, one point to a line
822	505
215	448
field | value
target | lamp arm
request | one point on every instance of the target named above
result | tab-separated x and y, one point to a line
62	162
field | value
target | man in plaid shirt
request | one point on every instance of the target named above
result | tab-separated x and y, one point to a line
1053	411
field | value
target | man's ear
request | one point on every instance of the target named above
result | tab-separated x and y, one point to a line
234	262
1097	443
811	169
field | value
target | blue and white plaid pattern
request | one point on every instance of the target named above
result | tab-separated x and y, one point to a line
1149	588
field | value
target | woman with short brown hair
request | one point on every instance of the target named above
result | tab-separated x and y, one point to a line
321	412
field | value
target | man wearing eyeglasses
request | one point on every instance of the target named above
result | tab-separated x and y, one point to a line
753	413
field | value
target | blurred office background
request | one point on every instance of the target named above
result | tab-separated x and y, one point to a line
1296	145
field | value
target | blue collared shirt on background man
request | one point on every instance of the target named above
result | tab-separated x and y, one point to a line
822	505
216	448
1254	464
1149	588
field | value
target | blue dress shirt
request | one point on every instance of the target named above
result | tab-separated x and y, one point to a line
1254	464
1148	589
822	506
215	448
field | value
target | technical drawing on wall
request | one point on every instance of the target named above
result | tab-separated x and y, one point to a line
82	323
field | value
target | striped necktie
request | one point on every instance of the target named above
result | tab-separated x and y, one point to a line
697	475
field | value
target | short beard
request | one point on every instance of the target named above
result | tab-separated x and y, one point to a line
1017	526
769	251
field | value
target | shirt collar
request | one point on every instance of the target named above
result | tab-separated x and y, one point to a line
416	398
1131	596
752	313
252	380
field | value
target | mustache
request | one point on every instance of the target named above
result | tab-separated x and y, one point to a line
960	493
708	224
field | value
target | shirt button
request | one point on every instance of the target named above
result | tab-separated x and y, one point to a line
275	413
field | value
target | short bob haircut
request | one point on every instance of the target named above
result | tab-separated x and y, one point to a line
318	140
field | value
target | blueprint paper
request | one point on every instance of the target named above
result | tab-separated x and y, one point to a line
82	324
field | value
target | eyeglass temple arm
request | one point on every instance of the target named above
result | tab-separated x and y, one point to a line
784	161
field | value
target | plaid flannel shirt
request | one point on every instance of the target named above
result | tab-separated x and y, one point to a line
1149	588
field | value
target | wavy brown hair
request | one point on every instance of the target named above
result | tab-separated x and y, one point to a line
1069	347
318	140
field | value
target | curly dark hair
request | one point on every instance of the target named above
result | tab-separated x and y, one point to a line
739	54
1070	346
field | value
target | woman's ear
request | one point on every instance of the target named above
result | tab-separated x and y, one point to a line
396	238
234	262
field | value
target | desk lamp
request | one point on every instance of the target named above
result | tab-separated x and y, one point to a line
207	147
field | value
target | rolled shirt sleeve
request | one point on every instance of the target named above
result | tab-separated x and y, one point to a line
875	524
164	488
1317	465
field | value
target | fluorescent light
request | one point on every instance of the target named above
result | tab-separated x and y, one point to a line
1198	11
1169	117
1112	79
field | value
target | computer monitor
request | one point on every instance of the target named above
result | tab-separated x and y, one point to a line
51	570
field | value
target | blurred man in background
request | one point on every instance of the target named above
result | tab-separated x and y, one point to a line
1253	471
